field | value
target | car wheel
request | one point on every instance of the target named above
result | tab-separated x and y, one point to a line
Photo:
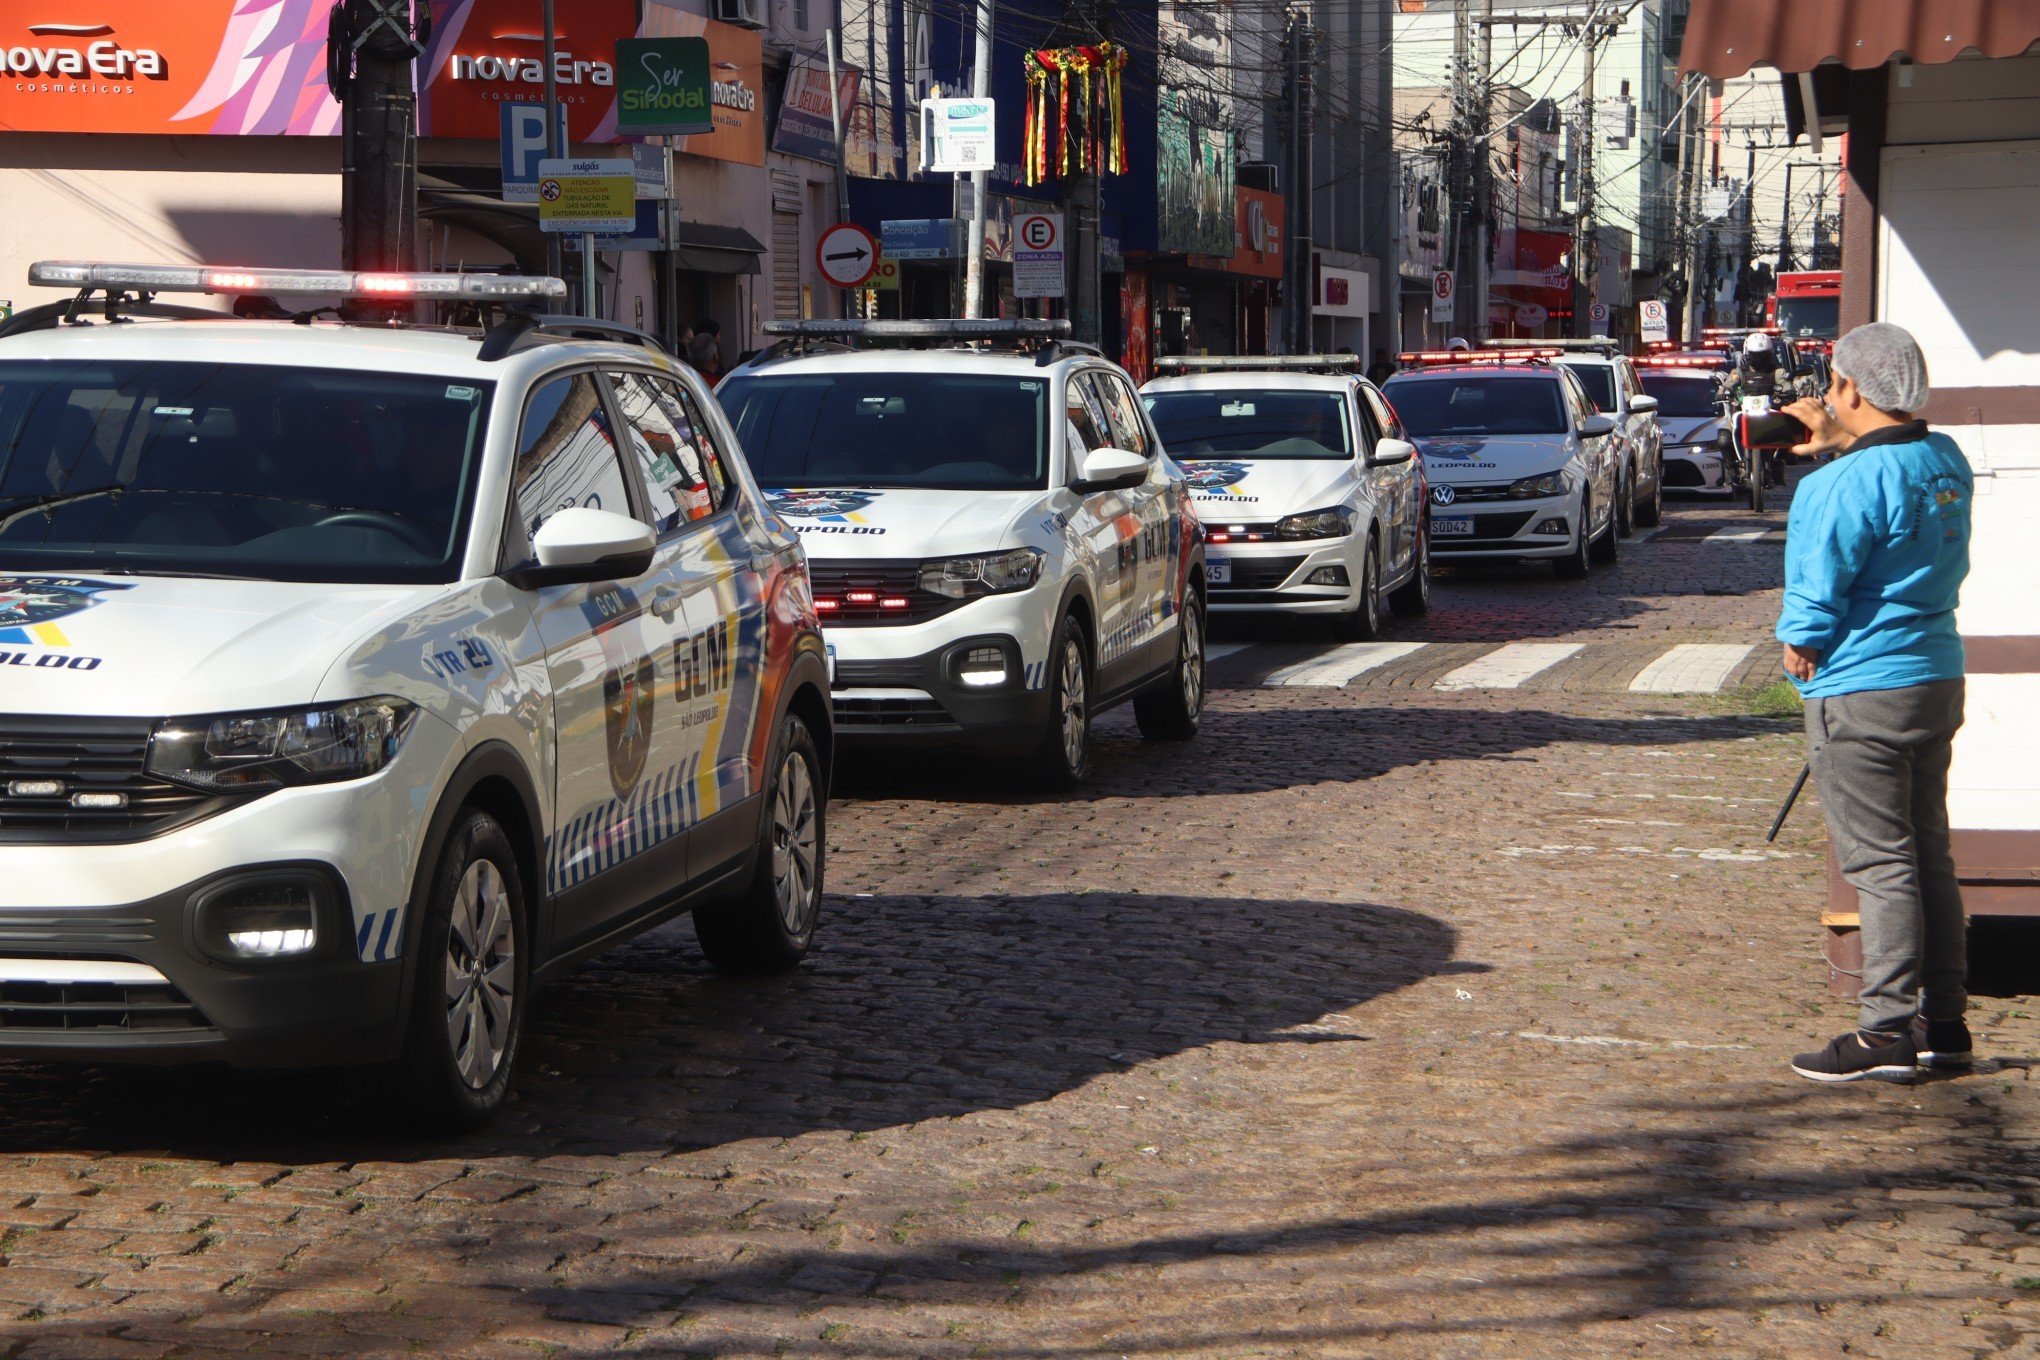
1363	622
471	978
1064	756
1608	546
1574	565
1652	512
1625	505
1171	711
1413	597
769	928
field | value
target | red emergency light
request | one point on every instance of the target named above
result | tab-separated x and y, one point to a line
1677	361
1474	356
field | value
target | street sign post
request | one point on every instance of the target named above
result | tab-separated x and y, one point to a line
1039	256
523	145
591	197
956	135
1441	295
846	254
1597	317
1653	320
662	87
920	238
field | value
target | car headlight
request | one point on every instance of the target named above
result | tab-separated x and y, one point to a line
1529	488
256	752
1334	523
965	578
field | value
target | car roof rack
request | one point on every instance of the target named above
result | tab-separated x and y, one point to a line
1258	363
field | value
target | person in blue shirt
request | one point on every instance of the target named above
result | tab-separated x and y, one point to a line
1876	549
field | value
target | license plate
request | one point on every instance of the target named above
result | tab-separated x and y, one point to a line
1446	526
1217	571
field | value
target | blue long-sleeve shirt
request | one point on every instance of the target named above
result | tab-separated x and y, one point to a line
1876	550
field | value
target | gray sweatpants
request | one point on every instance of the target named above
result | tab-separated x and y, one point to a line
1881	759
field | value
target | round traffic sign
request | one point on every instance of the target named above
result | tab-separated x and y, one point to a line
846	254
1441	284
1037	231
1598	314
549	190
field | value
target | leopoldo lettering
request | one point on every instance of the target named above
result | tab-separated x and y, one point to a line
50	661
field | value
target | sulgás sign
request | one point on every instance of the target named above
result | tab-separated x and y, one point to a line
664	88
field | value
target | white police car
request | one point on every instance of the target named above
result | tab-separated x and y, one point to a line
356	679
1613	386
1310	502
1519	462
1000	550
1690	412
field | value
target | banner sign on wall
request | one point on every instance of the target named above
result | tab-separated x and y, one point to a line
662	86
805	124
736	67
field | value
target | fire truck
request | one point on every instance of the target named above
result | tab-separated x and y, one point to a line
1807	305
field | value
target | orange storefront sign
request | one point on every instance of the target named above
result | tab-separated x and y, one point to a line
736	72
1257	237
487	53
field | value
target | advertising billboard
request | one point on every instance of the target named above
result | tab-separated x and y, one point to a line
806	126
736	70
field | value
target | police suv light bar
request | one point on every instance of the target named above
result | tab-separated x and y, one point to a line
1678	361
1259	363
1473	356
951	328
1588	344
346	283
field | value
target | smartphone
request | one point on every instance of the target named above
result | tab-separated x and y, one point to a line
1772	430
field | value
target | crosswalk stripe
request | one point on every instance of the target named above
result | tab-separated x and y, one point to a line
1745	536
1220	651
1509	666
1342	663
1691	668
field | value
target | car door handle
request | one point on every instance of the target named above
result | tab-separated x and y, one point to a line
666	603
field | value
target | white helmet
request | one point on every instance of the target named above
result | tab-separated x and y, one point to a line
1758	343
1457	342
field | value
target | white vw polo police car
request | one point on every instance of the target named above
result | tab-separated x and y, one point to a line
355	679
1000	550
1311	506
1519	461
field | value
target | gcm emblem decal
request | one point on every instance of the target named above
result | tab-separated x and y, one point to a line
1214	476
31	605
819	504
1443	495
627	718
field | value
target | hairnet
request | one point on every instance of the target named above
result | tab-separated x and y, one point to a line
1885	363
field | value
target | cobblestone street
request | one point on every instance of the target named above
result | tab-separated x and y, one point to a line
1384	1019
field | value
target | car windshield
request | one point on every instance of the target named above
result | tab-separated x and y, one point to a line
1680	395
1478	403
247	470
1251	423
1820	317
1599	380
932	431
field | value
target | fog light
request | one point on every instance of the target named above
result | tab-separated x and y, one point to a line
1551	526
100	801
271	917
982	668
1327	576
35	788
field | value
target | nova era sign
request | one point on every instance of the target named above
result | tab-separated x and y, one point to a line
567	69
103	58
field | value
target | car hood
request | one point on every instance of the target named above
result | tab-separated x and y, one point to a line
1689	429
160	646
1266	488
1461	458
871	522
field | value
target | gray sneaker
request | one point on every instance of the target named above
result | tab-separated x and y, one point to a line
1942	1043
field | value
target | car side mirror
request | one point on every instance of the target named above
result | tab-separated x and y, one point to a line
1109	468
1387	451
1643	406
579	545
1595	426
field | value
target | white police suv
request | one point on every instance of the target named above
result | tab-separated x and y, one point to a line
1000	550
1690	412
1310	504
355	678
1520	463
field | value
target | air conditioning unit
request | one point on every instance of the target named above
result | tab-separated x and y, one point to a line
743	13
1257	175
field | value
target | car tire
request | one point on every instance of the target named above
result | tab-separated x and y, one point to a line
1576	563
1362	623
1625	505
1063	758
770	925
1606	549
1171	710
1412	599
470	982
1652	512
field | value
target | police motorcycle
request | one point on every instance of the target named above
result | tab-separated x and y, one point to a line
1756	436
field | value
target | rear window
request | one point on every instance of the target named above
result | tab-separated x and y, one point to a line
1680	395
1599	380
1477	404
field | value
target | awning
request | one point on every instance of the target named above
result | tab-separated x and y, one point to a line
705	248
1725	38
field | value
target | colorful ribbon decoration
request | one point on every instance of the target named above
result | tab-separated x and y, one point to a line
1100	102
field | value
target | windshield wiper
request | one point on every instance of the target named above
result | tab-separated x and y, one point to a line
18	509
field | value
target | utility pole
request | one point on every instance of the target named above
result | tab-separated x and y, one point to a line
1086	323
1683	237
1785	223
1696	283
980	86
842	158
1586	248
1459	171
1473	285
370	47
553	149
1301	246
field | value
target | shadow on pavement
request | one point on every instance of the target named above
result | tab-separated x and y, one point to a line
912	1008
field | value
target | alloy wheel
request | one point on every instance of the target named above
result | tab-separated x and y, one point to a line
481	973
1074	716
1193	660
794	844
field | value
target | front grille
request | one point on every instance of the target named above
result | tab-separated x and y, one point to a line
97	1006
82	933
1487	529
864	714
1496	491
1680	472
1257	573
88	755
835	582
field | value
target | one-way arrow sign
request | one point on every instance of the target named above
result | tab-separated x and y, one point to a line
846	254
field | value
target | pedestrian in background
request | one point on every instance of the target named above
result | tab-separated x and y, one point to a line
1876	549
1381	370
704	351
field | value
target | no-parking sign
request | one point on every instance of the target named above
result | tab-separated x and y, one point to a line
1038	255
1441	295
